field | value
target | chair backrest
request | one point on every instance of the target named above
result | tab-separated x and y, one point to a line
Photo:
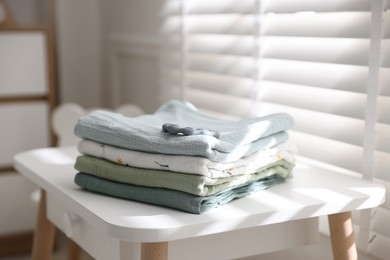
66	115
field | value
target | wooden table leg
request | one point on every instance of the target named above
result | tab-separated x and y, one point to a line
74	250
154	251
44	233
342	236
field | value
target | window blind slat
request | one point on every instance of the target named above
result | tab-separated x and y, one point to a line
331	129
331	101
286	6
220	24
221	64
170	8
327	150
382	165
386	53
333	76
223	104
384	110
215	114
330	50
221	44
384	79
319	124
219	6
316	49
310	24
171	25
382	144
227	85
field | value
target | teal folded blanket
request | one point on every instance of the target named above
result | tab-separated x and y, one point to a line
171	198
190	183
144	133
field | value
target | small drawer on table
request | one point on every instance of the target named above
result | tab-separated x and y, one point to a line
94	242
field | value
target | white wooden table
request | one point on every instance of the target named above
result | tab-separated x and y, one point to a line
124	224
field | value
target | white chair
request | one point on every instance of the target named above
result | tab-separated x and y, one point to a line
277	219
304	232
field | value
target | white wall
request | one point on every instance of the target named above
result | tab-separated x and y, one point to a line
107	52
25	12
130	47
78	37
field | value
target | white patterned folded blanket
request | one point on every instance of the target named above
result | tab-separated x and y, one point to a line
190	164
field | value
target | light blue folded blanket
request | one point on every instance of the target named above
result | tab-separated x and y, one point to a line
144	133
172	198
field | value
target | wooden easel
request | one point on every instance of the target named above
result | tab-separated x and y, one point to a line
22	243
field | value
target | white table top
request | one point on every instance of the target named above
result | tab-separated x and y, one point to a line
311	192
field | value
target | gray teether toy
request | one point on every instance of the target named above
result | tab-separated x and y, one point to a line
174	129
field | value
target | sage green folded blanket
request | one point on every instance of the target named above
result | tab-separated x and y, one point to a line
144	133
189	183
172	198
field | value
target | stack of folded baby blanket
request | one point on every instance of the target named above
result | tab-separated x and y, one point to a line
180	158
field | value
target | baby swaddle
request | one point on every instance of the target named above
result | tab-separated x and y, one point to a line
144	133
189	164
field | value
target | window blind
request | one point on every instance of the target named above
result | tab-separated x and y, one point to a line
327	63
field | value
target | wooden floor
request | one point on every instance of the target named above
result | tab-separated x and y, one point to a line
59	254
